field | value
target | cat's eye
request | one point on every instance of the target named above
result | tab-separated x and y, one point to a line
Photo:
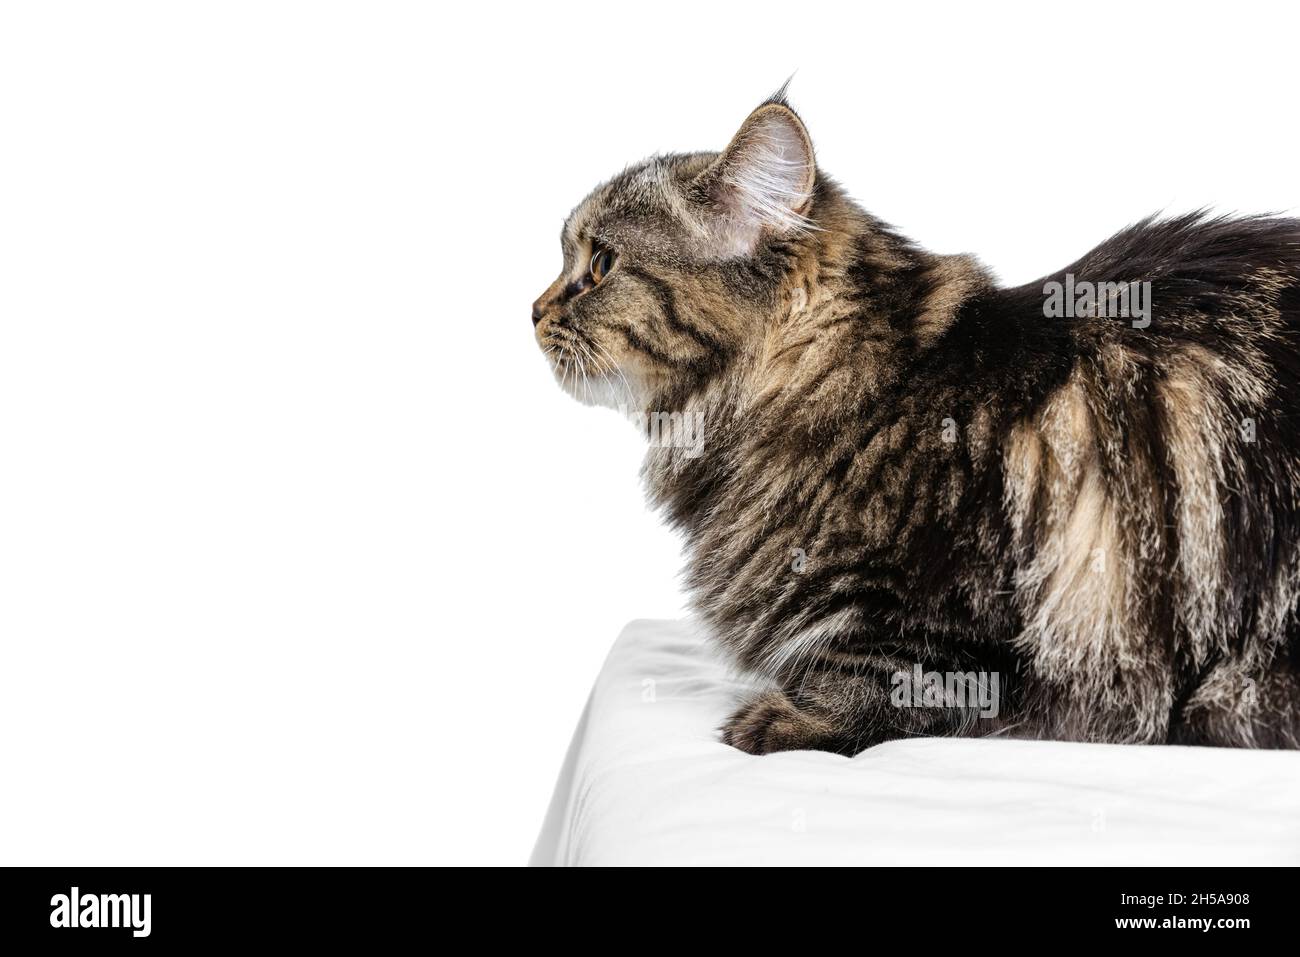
602	261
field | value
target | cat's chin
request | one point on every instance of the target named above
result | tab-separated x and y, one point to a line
605	391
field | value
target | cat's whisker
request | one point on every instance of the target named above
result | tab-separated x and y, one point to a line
583	357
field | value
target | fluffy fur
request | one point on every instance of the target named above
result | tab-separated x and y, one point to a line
903	463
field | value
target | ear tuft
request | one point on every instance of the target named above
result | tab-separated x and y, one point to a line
763	181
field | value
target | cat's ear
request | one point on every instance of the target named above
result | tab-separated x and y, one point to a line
762	182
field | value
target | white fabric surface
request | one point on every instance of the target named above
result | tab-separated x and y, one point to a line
647	782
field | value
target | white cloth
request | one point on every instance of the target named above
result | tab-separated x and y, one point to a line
647	782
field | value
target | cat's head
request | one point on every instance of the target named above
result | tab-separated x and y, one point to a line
670	266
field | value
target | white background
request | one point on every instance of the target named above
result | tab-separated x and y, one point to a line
304	558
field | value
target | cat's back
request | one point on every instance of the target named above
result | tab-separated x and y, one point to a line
1155	491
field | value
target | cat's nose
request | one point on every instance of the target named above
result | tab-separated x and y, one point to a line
537	312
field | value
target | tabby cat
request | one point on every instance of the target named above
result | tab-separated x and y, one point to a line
905	471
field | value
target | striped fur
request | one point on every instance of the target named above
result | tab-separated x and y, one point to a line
1107	516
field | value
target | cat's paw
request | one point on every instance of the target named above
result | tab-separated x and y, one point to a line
771	722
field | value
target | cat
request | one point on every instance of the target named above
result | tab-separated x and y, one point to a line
901	469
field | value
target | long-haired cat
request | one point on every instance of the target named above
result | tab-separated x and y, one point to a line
906	486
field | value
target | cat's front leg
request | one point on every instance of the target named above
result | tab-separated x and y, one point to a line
772	721
823	711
